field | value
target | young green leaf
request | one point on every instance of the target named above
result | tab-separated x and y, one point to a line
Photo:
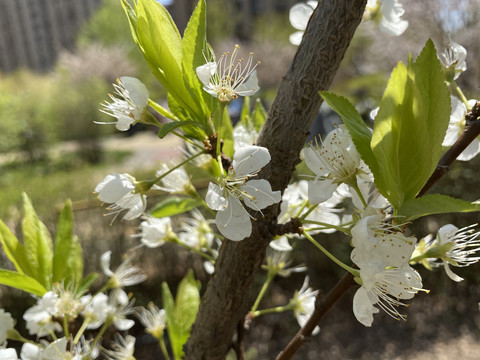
172	326
174	206
87	282
259	115
14	250
38	245
194	44
360	133
67	258
435	204
22	282
245	117
410	127
171	126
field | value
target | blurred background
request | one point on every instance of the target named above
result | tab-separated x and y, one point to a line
58	60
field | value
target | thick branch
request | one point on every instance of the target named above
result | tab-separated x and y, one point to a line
226	299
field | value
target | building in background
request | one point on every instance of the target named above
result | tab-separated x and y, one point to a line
33	32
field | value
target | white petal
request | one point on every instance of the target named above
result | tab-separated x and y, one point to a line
299	15
56	350
105	263
320	190
446	234
123	123
472	150
123	324
260	194
205	72
234	222
30	352
450	273
250	159
214	198
137	91
281	244
453	132
136	203
249	87
8	354
363	308
314	161
114	187
296	38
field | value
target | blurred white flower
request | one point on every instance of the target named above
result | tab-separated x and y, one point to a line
195	231
156	231
304	301
119	306
8	354
299	15
56	350
243	136
39	318
124	275
6	324
119	190
456	127
232	220
131	104
153	319
386	14
454	60
229	77
122	348
176	182
95	310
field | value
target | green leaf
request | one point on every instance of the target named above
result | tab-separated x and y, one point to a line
181	314
194	44
38	245
361	134
87	282
410	127
259	115
435	204
132	18
169	306
14	250
22	282
191	131
67	259
187	302
174	206
245	118
171	126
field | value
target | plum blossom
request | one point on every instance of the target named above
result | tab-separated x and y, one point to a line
94	311
176	181
39	318
232	220
299	15
336	161
118	307
131	104
6	324
122	348
382	252
244	136
156	231
229	77
456	127
454	246
8	354
153	319
57	350
387	15
124	275
304	302
120	191
196	232
454	60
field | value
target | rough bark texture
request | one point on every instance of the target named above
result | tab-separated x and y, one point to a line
227	300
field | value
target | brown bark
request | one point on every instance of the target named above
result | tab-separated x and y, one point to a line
227	300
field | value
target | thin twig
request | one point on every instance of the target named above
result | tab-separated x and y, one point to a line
472	130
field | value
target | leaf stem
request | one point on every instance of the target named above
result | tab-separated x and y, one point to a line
262	292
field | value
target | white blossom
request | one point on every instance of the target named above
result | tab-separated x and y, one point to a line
153	319
156	231
232	220
176	182
243	136
119	190
299	15
8	354
131	104
56	350
124	275
6	324
39	318
229	77
459	248
454	60
304	301
335	161
122	349
195	231
387	15
119	306
95	310
456	127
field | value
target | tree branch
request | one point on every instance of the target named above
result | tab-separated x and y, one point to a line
318	57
